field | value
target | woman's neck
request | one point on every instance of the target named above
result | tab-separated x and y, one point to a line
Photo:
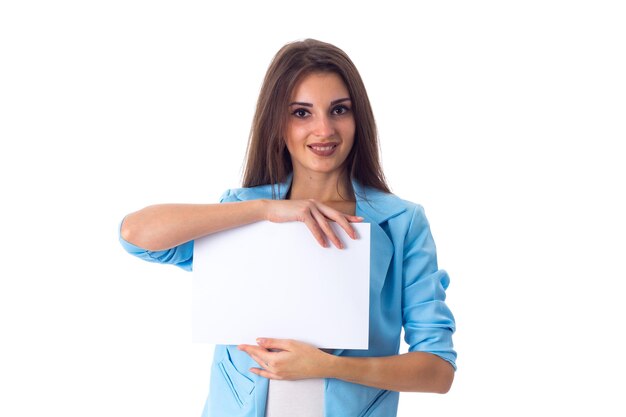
324	188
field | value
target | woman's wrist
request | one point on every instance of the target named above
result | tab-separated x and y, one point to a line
333	367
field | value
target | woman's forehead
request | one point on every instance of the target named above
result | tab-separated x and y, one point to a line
320	87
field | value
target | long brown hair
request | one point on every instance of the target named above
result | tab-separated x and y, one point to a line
267	158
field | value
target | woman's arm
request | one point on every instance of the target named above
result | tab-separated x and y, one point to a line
413	371
164	226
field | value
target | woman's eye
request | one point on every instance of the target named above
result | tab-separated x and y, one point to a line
339	110
301	113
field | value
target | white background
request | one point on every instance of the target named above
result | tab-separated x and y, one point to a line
503	119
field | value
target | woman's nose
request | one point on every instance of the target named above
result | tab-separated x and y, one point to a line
324	127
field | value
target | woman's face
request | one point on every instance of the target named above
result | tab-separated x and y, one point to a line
320	126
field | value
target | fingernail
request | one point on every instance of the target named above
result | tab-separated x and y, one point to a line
260	340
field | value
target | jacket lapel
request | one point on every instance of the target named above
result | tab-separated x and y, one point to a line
376	207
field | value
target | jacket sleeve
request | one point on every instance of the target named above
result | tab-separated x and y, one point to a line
427	320
181	255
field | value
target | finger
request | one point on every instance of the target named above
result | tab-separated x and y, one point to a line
247	348
322	221
263	363
264	373
345	225
269	343
314	227
342	219
260	359
255	351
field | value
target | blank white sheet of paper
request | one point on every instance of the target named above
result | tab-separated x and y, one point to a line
274	280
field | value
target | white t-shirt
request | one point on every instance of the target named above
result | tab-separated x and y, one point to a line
301	398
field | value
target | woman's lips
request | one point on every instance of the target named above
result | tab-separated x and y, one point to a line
323	149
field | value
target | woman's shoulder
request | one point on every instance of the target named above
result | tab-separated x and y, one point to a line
406	220
253	193
389	205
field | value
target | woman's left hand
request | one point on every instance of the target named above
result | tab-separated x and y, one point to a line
294	360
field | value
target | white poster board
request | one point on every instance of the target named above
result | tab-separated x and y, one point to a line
275	280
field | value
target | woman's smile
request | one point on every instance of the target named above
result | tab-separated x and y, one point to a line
323	149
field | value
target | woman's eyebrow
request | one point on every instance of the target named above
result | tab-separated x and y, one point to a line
300	103
340	100
332	103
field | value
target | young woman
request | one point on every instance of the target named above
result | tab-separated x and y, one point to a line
313	157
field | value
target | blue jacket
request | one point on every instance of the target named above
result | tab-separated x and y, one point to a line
406	290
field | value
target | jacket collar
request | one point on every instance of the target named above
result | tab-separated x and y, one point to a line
375	205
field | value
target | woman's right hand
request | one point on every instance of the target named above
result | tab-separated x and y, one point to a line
315	215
